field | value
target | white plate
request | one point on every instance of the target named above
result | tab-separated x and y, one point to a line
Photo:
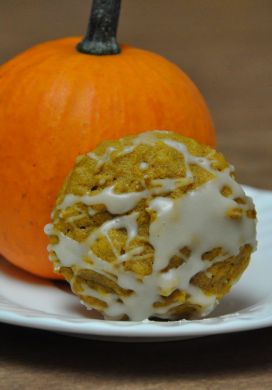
29	301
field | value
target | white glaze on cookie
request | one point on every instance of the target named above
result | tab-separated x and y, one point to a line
197	219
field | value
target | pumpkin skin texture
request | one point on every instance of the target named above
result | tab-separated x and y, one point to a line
57	103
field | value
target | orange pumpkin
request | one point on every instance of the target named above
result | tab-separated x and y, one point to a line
57	102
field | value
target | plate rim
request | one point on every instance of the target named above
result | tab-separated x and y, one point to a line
145	329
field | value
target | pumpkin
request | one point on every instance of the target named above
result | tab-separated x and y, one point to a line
60	99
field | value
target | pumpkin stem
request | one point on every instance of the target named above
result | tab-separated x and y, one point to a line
100	38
